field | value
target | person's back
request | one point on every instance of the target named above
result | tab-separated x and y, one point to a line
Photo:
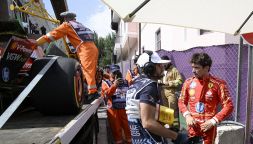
81	39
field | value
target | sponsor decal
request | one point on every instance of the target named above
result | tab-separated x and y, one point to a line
210	85
193	84
134	130
15	57
27	66
23	49
192	92
6	74
209	94
200	107
13	45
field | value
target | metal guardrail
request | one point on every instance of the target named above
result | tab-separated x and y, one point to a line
73	127
15	104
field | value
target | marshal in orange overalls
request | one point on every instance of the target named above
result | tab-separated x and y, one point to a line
117	117
86	51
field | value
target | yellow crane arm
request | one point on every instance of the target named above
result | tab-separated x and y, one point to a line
34	8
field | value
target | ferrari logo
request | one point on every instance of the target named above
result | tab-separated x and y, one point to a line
210	85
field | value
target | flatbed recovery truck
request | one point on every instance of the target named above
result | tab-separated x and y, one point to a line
42	99
32	127
23	123
50	120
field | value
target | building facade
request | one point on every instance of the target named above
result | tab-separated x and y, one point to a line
134	38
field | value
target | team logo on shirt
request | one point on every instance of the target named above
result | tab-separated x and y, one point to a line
209	94
192	92
200	107
210	85
193	85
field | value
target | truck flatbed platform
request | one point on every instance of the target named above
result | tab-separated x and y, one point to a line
32	127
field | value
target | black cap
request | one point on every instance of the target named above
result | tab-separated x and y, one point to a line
68	14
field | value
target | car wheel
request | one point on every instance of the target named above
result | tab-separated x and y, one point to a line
60	91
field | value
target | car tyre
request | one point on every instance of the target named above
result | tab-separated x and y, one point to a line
60	91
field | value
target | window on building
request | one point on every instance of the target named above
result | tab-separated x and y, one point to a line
158	39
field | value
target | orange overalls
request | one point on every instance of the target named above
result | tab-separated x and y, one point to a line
200	98
117	117
86	50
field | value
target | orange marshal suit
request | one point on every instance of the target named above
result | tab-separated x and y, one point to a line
87	52
117	117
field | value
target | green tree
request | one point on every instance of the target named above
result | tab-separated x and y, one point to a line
105	46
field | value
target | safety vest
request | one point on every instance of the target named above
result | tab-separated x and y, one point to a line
119	97
132	102
138	133
84	33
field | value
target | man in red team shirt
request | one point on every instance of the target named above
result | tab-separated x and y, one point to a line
199	99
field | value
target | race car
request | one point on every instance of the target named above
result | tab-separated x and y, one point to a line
60	91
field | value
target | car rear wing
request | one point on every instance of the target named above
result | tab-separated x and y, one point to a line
15	55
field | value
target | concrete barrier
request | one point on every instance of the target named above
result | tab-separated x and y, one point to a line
230	132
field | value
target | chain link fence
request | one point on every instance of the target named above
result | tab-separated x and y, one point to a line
225	65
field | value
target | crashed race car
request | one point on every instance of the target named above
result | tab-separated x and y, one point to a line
60	91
